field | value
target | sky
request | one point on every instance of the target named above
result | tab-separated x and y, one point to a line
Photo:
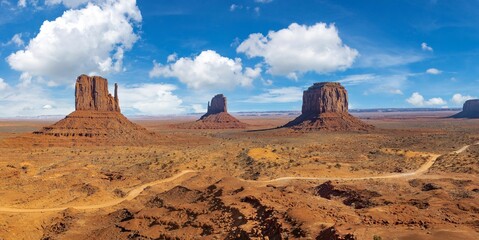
172	57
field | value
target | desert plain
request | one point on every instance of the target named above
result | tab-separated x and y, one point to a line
414	176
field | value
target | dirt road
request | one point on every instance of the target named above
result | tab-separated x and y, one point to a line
136	191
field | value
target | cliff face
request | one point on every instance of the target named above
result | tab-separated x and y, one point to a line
471	106
325	107
325	97
470	109
217	105
91	94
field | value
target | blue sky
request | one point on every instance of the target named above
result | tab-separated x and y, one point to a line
171	57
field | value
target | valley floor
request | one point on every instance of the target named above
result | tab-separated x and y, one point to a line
413	177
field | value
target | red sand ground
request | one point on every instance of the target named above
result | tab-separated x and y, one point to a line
245	183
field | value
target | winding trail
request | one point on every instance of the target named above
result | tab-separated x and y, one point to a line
136	191
131	195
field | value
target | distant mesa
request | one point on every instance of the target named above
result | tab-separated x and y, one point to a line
325	107
217	117
470	109
97	115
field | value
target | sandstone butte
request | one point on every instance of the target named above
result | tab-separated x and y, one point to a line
470	109
91	94
97	115
325	107
217	117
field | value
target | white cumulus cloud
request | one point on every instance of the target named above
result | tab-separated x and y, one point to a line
3	84
459	99
17	40
433	71
299	49
172	57
435	101
426	47
233	7
32	101
71	3
418	100
150	99
86	40
207	71
22	3
198	108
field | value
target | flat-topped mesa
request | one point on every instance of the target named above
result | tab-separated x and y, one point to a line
91	94
325	107
325	97
217	104
471	106
470	109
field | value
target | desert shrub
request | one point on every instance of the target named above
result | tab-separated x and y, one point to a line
461	194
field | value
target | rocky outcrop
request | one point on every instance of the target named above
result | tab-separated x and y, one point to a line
325	107
470	109
217	105
332	233
325	97
91	94
97	117
217	117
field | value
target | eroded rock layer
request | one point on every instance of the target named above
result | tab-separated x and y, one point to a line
470	109
93	124
325	97
325	107
221	120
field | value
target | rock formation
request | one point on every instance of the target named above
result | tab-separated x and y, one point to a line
91	93
470	109
217	105
325	97
325	107
217	117
97	115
